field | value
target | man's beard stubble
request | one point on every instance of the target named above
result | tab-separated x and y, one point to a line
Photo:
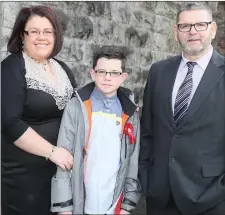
195	51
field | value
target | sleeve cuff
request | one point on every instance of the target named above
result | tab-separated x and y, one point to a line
128	205
61	195
16	131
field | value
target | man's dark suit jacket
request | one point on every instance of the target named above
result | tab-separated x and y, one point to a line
188	160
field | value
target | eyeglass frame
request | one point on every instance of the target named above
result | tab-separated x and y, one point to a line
110	73
191	25
39	33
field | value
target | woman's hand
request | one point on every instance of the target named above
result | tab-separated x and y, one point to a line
62	158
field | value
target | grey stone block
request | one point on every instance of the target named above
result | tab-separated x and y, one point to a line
121	12
99	9
105	31
82	28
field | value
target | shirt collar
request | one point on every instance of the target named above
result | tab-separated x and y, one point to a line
202	62
99	95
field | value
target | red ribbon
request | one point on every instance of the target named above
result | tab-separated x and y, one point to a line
119	205
129	130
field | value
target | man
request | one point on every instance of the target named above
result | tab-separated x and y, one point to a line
182	155
100	126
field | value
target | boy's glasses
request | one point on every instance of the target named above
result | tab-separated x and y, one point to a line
103	73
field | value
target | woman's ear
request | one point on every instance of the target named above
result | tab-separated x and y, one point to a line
22	39
22	36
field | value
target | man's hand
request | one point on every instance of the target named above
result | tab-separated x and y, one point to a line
124	212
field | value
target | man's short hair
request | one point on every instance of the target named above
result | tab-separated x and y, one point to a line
194	6
110	52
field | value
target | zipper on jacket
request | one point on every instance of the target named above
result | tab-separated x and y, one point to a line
125	146
115	188
125	138
84	191
84	197
120	159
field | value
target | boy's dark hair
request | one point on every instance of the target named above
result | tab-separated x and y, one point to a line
110	52
15	44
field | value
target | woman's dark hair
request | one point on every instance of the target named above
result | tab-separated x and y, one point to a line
15	41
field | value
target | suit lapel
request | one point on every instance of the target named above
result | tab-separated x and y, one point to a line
211	77
169	80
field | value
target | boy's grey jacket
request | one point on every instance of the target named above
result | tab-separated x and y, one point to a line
68	192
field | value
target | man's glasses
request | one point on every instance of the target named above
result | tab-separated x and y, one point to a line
103	73
200	26
36	32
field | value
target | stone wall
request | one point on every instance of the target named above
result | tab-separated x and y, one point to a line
146	28
219	16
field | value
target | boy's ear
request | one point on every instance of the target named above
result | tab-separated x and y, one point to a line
124	76
92	73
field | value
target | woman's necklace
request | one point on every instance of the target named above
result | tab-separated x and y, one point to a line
46	66
43	63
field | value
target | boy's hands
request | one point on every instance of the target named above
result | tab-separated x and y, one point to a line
124	212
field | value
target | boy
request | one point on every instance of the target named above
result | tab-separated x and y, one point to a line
100	127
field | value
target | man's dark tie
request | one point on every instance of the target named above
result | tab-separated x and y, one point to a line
183	95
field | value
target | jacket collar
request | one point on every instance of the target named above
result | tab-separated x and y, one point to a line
128	106
217	59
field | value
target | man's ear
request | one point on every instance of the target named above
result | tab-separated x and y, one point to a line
214	30
175	32
92	73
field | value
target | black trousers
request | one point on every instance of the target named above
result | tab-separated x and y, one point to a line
15	202
171	209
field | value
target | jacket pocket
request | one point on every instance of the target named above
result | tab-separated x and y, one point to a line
211	170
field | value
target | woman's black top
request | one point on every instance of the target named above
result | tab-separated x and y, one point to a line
26	178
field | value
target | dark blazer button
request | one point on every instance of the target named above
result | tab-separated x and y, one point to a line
173	160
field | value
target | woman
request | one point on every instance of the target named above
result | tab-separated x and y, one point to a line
35	89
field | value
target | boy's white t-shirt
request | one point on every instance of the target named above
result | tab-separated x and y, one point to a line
103	155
